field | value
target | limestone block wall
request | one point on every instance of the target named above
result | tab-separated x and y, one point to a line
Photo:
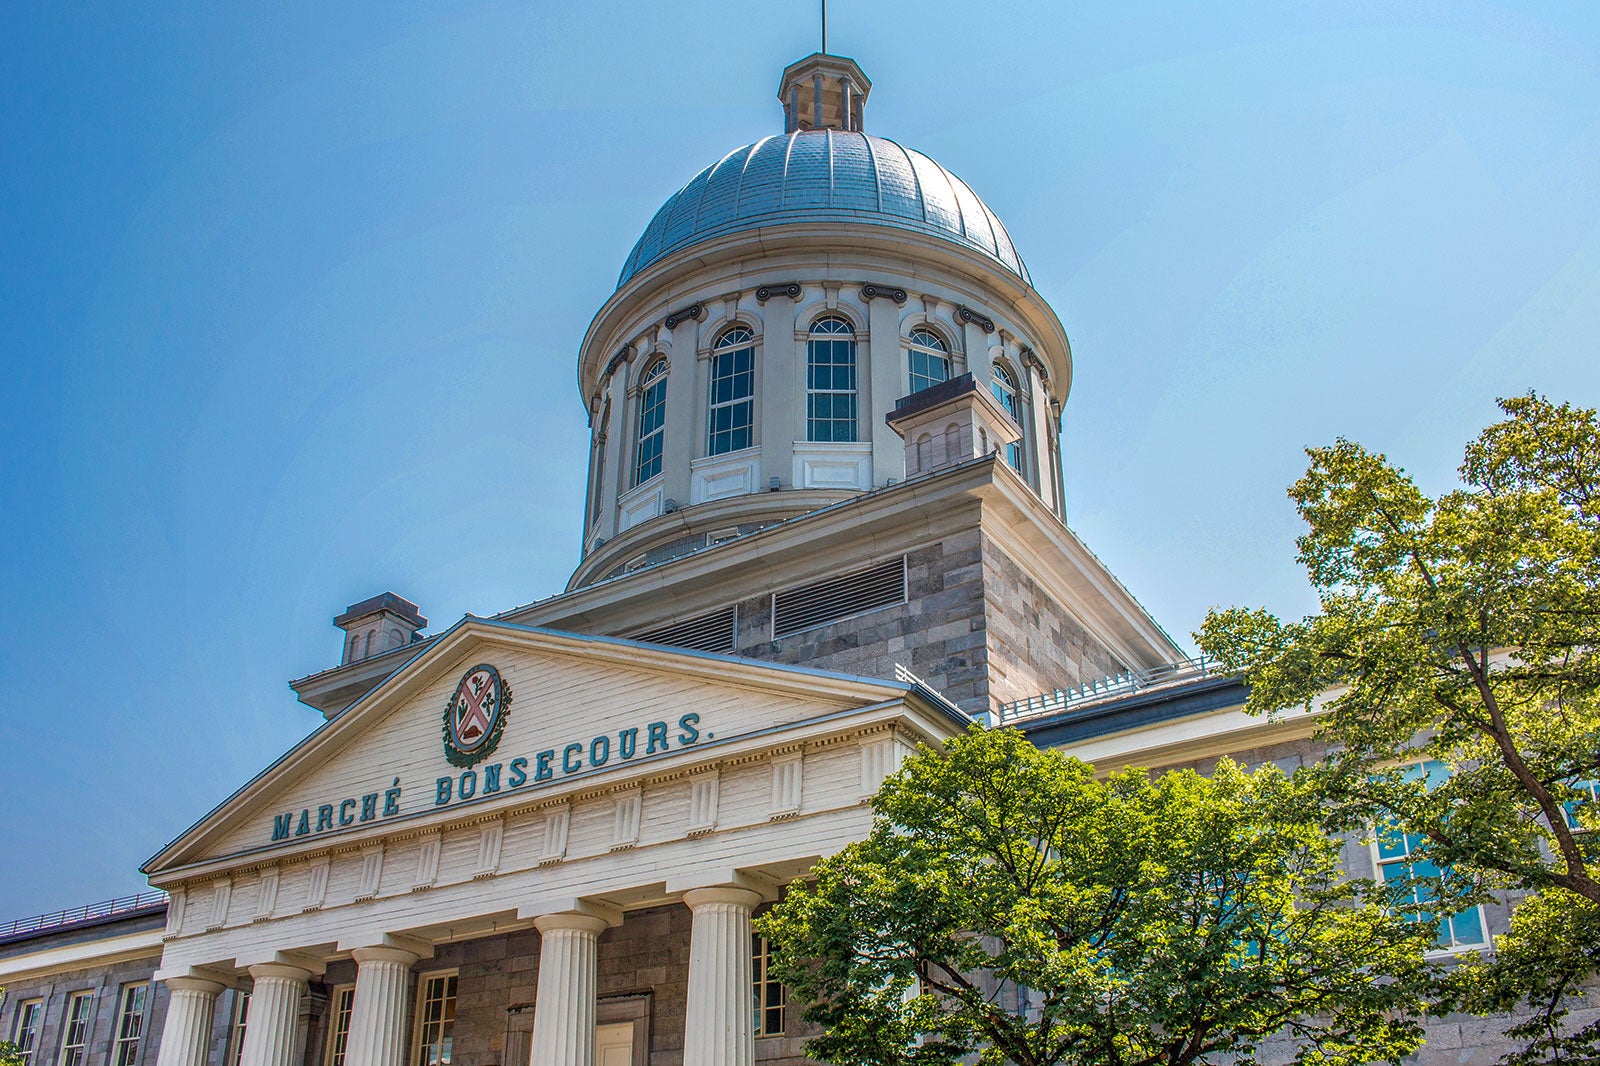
1034	644
106	982
937	634
975	626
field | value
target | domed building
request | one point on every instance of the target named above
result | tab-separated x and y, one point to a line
776	310
825	523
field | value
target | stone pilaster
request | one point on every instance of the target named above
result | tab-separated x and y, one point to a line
378	1011
564	1005
718	1030
274	1006
185	1038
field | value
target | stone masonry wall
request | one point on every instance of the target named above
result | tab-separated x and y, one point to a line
937	634
107	983
1033	644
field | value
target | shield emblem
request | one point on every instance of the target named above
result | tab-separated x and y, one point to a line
476	715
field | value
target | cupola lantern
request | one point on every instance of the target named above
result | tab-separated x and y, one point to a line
823	92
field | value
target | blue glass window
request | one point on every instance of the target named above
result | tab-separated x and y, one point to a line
652	422
831	381
1004	385
733	387
1399	862
929	359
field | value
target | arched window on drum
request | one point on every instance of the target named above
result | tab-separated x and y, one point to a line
831	380
929	359
652	422
1004	385
731	422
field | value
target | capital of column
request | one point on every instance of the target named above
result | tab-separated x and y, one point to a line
384	954
194	984
697	898
572	921
280	971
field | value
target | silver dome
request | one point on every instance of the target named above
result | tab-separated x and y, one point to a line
824	175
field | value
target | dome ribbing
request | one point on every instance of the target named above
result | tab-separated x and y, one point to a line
825	175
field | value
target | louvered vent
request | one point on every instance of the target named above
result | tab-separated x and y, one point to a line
839	597
709	632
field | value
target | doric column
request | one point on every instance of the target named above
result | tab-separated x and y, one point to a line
186	1036
563	1006
274	1003
378	1011
718	1031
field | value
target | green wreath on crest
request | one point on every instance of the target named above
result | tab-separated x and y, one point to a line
497	704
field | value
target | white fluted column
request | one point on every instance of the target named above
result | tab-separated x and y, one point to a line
186	1035
274	1004
563	1006
719	1030
378	1011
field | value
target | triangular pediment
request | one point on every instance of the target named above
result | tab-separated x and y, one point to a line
574	711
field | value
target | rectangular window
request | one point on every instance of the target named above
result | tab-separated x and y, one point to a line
75	1031
733	377
30	1015
236	1020
130	1023
831	382
1399	861
769	998
1588	796
343	999
436	1018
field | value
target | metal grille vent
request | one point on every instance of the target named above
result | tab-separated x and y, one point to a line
709	632
839	597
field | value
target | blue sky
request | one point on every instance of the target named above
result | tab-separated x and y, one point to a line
291	294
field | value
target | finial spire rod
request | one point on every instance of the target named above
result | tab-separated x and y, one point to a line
824	27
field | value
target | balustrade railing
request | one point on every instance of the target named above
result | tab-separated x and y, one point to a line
73	915
1123	683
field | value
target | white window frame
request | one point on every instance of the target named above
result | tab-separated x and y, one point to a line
29	1023
120	1037
334	1052
1447	923
655	374
762	983
238	1018
816	337
915	347
423	981
76	1042
727	346
1009	393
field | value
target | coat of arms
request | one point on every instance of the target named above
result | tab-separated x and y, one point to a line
476	716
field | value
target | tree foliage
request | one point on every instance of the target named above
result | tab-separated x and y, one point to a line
1142	920
1464	629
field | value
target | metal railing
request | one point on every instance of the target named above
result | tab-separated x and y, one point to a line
73	915
1123	683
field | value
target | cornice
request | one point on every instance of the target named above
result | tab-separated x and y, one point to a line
843	251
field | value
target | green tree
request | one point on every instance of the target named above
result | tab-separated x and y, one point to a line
1141	920
1463	629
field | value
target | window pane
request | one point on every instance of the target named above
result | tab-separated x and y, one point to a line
437	1009
1400	858
729	425
652	420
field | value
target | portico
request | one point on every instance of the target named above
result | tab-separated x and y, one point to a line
613	895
